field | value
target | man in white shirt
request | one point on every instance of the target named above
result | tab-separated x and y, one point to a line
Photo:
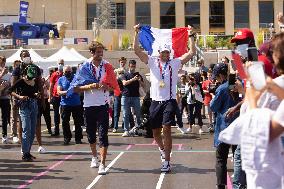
163	77
96	106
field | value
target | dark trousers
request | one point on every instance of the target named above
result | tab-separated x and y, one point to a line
5	111
195	112
222	152
46	114
56	105
97	119
77	115
184	105
179	117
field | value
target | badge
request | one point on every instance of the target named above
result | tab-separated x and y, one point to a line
162	84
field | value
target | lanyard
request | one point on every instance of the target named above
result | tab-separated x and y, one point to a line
163	69
93	68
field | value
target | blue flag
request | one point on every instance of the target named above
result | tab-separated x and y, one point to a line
24	6
84	76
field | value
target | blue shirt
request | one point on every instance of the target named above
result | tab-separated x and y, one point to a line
74	99
220	104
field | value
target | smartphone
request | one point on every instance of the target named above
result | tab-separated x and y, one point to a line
252	54
257	75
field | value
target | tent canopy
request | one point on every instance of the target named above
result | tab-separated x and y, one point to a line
76	53
36	58
65	54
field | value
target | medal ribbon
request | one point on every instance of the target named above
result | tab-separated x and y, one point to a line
163	69
93	68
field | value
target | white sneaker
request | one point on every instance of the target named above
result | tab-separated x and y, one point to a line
41	150
188	130
126	134
16	140
73	130
134	131
84	129
4	140
101	170
182	130
200	131
94	162
162	153
114	130
166	167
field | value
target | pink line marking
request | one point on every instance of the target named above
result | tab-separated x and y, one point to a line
129	146
44	172
179	146
154	144
229	182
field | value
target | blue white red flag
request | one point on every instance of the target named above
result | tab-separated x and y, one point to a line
154	39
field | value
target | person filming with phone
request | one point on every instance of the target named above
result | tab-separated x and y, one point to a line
131	81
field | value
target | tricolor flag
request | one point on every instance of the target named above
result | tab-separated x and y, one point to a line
153	39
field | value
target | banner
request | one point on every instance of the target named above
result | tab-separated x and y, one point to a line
24	6
6	42
68	41
35	41
81	41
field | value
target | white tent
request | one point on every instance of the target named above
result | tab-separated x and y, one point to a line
13	57
36	58
76	53
65	54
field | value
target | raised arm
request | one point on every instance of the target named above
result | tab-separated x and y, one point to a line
187	56
138	51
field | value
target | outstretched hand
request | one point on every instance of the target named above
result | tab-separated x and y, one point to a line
137	28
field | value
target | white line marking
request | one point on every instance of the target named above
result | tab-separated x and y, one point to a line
107	168
160	182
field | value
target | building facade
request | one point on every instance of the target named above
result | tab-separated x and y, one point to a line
208	16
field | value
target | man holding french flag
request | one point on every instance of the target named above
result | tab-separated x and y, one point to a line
162	45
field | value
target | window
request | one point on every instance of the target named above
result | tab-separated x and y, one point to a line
143	13
241	14
91	14
167	15
266	13
216	14
121	15
192	14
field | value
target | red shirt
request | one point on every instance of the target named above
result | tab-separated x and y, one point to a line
53	81
207	96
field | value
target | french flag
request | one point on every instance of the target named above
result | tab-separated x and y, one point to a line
152	39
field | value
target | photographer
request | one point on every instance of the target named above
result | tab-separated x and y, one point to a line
130	97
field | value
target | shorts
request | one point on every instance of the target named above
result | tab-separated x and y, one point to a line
162	113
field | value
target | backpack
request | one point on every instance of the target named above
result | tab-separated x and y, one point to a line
30	70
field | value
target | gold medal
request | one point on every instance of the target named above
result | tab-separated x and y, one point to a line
162	84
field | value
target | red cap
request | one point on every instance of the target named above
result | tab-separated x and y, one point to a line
242	34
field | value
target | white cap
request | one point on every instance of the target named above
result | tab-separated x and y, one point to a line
165	47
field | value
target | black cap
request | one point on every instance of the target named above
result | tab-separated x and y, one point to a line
219	68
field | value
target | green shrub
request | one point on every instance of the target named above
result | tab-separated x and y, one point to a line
210	42
125	41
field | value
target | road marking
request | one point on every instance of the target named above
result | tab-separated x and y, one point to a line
160	182
112	151
129	146
107	168
229	182
44	172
